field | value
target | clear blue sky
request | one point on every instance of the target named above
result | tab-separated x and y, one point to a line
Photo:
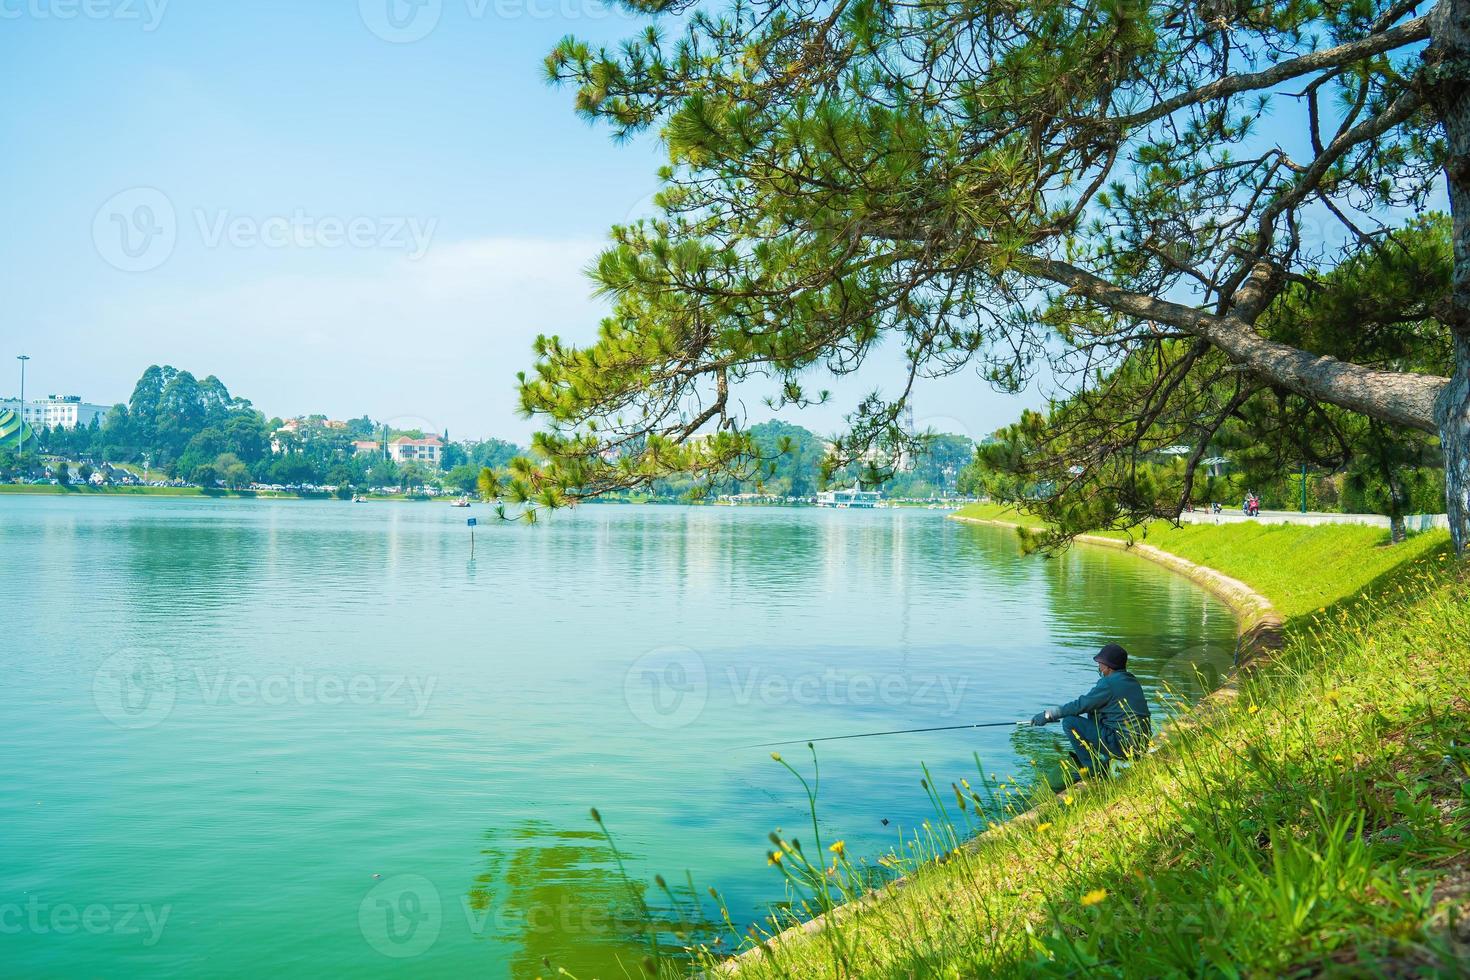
331	210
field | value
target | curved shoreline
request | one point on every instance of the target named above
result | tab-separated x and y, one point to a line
1260	624
1260	632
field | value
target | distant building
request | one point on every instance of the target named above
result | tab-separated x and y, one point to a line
56	411
305	422
294	427
367	447
406	450
851	497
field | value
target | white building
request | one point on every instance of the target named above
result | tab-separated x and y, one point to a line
56	411
406	450
302	427
853	496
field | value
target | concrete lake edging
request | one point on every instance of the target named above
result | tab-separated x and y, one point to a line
1261	633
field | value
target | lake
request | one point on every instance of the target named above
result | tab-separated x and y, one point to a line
312	738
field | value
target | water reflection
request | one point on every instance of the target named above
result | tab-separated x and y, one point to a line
562	899
255	807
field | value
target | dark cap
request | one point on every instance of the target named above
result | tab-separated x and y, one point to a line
1112	656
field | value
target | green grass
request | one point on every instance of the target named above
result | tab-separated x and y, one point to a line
1319	821
1300	568
47	488
997	512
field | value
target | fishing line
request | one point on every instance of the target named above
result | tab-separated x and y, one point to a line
905	731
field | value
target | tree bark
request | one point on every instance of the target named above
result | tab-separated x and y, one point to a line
1397	397
1397	532
1447	83
1454	433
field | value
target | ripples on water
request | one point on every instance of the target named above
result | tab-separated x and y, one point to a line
611	656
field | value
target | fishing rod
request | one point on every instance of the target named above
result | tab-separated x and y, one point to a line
906	731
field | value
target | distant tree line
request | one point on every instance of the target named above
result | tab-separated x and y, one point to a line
183	428
792	461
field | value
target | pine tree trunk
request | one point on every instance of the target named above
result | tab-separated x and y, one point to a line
1397	533
1447	77
1454	433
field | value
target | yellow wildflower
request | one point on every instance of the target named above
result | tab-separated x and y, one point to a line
774	857
1042	828
1094	896
1068	799
839	848
1253	709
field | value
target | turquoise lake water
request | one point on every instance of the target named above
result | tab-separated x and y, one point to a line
308	738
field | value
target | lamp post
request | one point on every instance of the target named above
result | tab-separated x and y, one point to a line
20	433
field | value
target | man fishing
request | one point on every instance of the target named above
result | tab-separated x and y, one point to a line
1111	721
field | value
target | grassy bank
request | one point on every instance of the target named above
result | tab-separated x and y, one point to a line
1299	568
1317	823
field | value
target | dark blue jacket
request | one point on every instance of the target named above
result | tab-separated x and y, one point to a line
1116	702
